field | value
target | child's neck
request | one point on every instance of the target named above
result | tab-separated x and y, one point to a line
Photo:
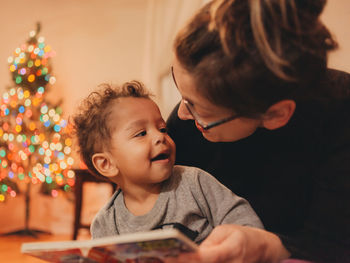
139	201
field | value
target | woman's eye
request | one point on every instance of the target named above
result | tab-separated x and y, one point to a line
140	134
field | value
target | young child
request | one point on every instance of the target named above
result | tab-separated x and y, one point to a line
123	137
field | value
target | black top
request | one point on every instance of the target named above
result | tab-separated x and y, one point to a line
297	178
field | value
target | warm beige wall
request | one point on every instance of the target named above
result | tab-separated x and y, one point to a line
337	17
95	41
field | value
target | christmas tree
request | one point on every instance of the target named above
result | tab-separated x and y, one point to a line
35	145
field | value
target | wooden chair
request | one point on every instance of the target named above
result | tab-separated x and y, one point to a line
82	176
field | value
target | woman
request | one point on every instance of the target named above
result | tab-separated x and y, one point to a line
253	74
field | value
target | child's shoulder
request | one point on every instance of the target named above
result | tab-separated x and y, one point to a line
190	174
187	171
101	223
189	179
184	169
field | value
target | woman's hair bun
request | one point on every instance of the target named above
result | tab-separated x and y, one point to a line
312	7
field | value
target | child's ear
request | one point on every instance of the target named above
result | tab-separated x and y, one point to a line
105	165
278	114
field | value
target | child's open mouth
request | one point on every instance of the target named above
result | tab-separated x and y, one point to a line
160	157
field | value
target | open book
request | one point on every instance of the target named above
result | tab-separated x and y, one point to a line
151	246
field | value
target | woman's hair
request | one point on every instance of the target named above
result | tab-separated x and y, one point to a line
92	125
248	54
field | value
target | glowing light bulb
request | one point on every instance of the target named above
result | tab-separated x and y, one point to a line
19	138
54	193
67	150
5	137
58	146
12	92
37	62
70	174
56	118
52	146
19	120
54	167
52	112
52	80
48	180
41	90
47	48
18	128
68	142
47	160
48	152
31	77
43	110
45	145
63	165
70	161
13	68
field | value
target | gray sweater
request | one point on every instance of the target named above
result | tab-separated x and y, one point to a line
190	197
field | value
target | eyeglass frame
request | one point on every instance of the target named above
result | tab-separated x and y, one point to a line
211	124
195	116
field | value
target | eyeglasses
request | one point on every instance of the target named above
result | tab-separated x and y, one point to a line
195	116
210	125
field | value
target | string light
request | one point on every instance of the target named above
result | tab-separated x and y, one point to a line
34	142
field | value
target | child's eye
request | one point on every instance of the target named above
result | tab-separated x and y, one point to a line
141	134
163	130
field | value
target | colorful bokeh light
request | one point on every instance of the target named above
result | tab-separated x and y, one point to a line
34	138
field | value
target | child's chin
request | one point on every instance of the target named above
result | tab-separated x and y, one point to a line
166	175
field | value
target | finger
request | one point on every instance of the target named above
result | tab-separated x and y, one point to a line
217	236
221	248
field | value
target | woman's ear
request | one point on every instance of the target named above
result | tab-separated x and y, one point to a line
105	165
278	114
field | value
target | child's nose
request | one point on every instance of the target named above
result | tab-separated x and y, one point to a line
159	138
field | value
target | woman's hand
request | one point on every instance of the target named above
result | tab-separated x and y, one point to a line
234	243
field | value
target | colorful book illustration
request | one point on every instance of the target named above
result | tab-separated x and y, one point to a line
147	247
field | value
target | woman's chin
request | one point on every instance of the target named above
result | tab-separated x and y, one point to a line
210	137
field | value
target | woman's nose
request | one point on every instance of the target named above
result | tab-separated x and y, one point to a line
183	112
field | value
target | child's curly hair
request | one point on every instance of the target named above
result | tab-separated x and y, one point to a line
91	122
